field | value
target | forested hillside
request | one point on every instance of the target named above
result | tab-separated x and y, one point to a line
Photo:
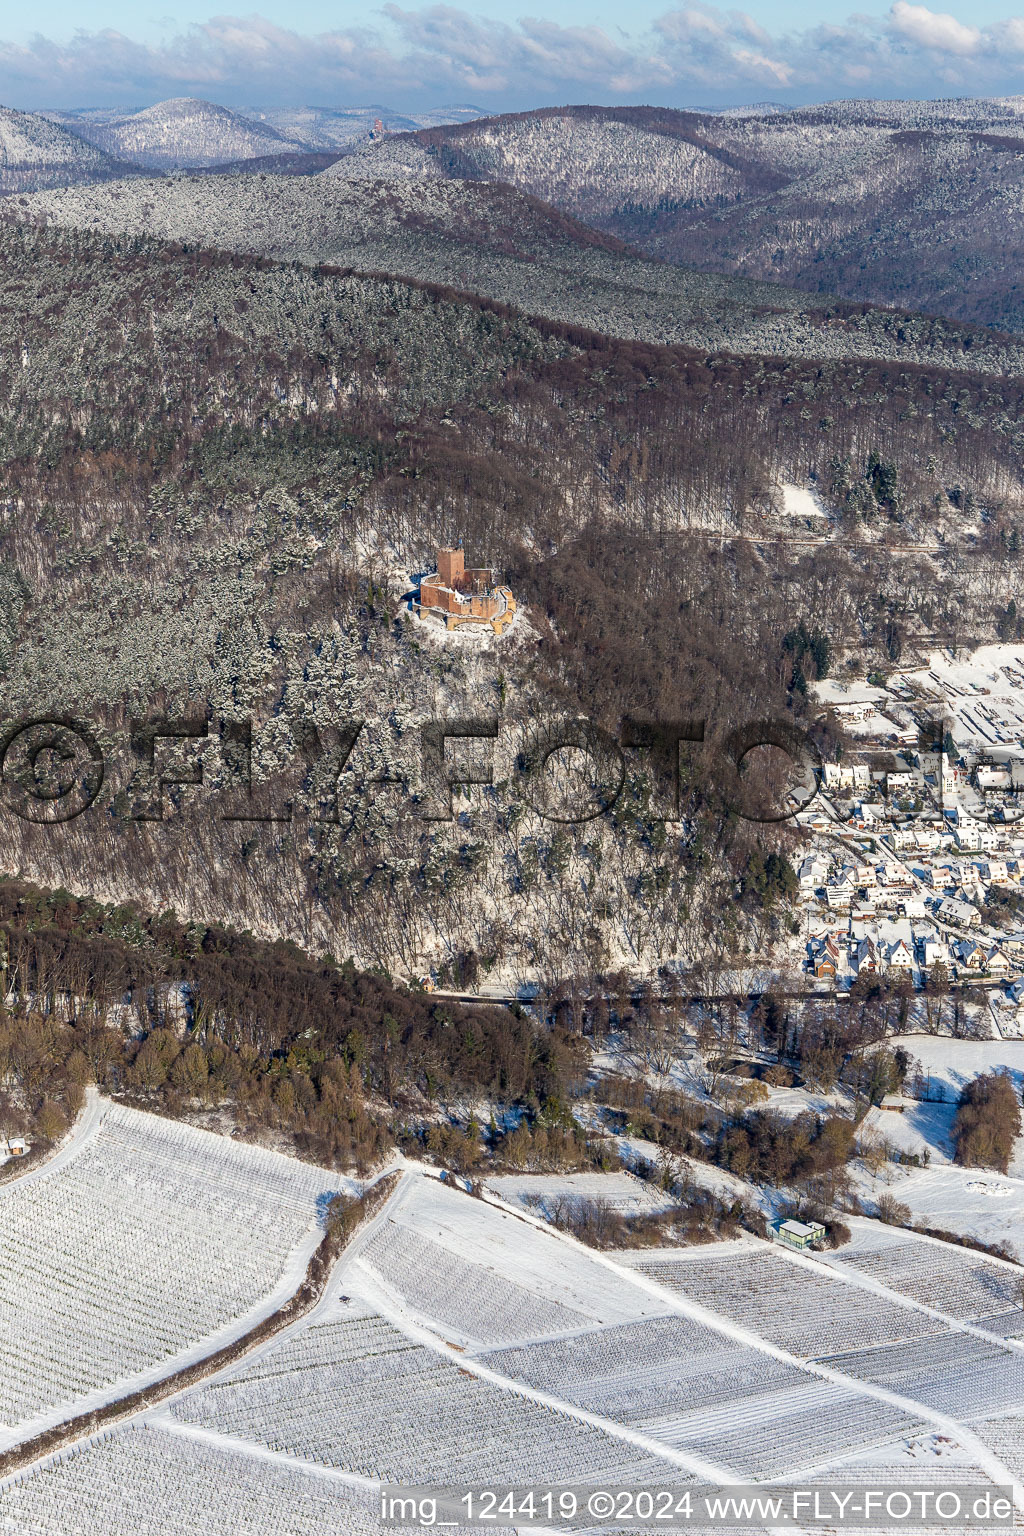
506	245
174	1016
36	153
216	468
908	203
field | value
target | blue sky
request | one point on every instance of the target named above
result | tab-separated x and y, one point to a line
61	19
503	55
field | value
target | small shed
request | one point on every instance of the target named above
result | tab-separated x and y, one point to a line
797	1234
897	1103
17	1147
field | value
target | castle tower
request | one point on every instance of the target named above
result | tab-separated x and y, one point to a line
451	567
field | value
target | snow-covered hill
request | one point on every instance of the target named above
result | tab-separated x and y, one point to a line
188	132
500	243
184	132
37	153
337	127
913	203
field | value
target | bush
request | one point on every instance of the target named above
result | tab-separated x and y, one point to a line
893	1211
779	1076
593	1221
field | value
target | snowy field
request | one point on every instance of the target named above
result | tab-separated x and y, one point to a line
925	1130
922	1130
983	693
623	1192
474	1303
975	1202
804	1310
486	1276
964	1285
950	1064
141	1242
460	1343
698	1390
919	1461
354	1392
149	1482
800	501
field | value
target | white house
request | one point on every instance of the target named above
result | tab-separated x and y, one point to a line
845	775
968	836
839	893
900	956
864	957
941	877
934	951
811	874
959	912
992	776
974	836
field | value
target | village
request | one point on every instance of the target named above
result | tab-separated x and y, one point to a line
915	869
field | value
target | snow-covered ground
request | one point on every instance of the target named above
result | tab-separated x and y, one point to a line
977	1202
736	1360
800	501
922	1130
141	1246
950	1064
486	1273
946	1066
985	702
623	1192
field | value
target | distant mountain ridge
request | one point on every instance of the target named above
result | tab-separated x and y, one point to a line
188	133
338	127
35	153
185	132
919	204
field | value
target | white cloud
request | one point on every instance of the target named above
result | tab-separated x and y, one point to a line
696	52
933	29
1009	35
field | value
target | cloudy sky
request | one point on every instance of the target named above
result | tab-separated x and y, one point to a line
500	55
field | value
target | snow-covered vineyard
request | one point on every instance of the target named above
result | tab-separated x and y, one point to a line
149	1245
461	1340
149	1481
